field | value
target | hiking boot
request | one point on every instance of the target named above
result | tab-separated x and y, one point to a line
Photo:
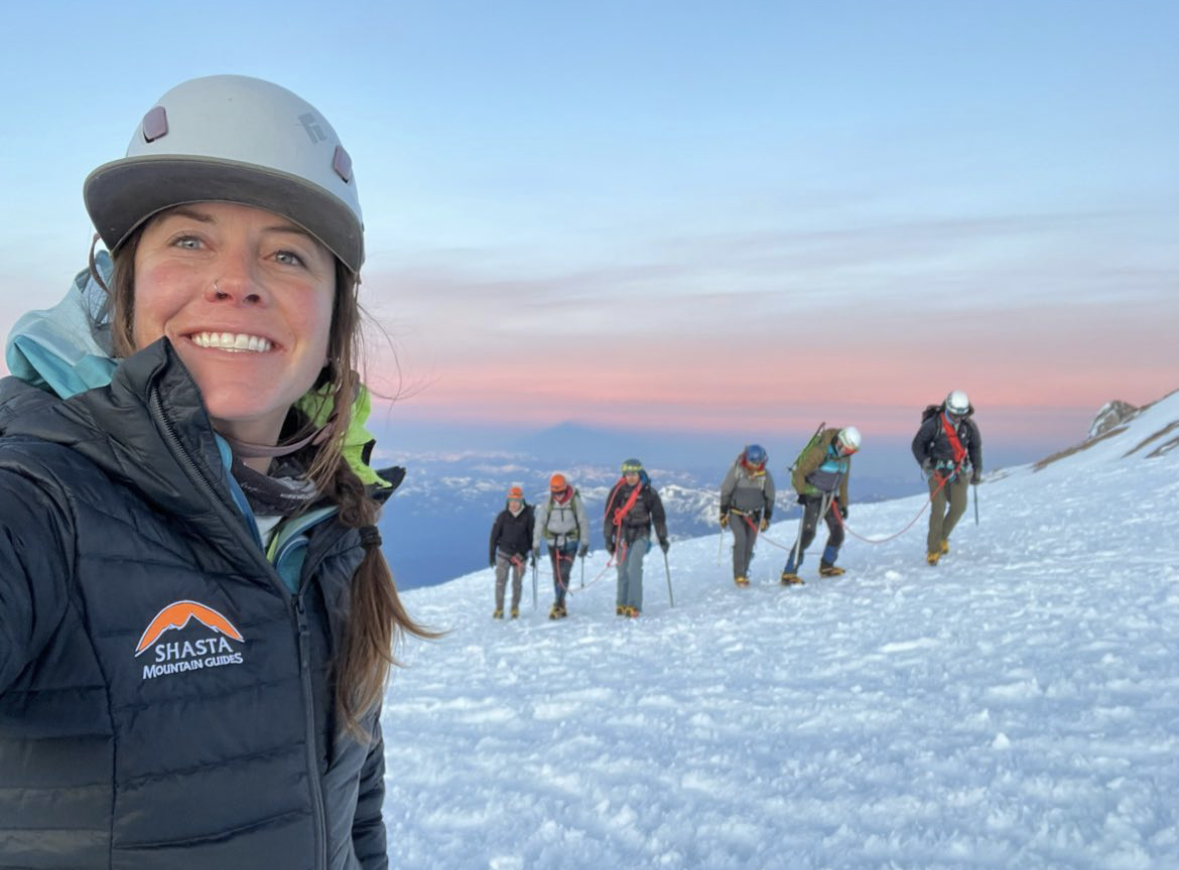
741	581
515	613
555	613
945	547
632	612
931	558
620	610
826	570
562	612
499	613
789	579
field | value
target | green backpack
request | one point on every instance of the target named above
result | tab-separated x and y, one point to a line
814	440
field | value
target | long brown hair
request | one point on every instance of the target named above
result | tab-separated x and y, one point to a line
377	619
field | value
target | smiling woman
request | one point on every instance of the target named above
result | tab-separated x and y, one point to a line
220	278
196	620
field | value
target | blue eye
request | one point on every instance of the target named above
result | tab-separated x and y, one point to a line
188	242
290	258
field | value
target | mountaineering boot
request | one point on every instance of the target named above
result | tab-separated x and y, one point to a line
620	610
555	613
515	613
632	612
931	558
741	581
499	613
789	579
945	547
827	570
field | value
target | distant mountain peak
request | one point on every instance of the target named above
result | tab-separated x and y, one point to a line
1111	415
1116	418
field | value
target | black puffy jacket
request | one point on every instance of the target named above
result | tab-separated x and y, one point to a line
636	522
165	701
930	444
512	535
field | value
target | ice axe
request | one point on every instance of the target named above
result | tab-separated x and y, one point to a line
534	582
667	568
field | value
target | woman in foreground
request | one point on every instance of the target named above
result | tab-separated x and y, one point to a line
196	621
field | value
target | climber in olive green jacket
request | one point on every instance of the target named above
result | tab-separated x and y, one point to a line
820	479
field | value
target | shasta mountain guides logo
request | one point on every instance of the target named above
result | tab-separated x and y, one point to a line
211	650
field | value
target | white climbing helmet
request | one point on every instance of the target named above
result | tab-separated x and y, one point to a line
232	139
849	439
957	403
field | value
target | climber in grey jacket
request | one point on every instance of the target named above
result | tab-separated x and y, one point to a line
561	521
746	505
195	615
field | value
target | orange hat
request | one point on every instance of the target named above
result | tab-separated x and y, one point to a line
516	492
557	483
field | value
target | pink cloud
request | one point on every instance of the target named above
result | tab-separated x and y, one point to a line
746	361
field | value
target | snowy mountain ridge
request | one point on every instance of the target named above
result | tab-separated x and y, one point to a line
1015	707
1114	419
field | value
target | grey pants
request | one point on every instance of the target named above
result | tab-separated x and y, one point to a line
743	540
941	522
502	564
630	574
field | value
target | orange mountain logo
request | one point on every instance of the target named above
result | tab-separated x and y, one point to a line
195	650
177	615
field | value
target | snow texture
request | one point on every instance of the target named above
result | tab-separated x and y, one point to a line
1015	707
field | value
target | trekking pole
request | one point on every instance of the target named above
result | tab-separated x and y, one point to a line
534	584
583	572
975	487
798	539
667	568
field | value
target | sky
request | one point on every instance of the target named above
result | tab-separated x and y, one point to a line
737	217
1014	707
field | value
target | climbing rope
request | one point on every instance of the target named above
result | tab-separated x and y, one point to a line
839	519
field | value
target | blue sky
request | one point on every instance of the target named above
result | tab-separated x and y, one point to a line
728	215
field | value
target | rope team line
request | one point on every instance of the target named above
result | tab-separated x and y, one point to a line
559	557
839	518
571	591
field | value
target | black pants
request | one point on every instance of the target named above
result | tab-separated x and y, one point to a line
810	521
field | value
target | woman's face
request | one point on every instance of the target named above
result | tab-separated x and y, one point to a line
245	297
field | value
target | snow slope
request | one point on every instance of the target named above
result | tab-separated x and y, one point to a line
1015	707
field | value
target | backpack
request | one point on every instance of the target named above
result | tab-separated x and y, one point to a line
548	506
814	440
930	412
759	478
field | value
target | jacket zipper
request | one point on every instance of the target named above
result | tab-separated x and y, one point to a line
294	606
309	714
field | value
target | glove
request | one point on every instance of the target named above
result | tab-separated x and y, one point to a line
532	559
927	467
492	562
610	546
724	520
535	553
976	478
664	544
583	551
764	524
843	511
